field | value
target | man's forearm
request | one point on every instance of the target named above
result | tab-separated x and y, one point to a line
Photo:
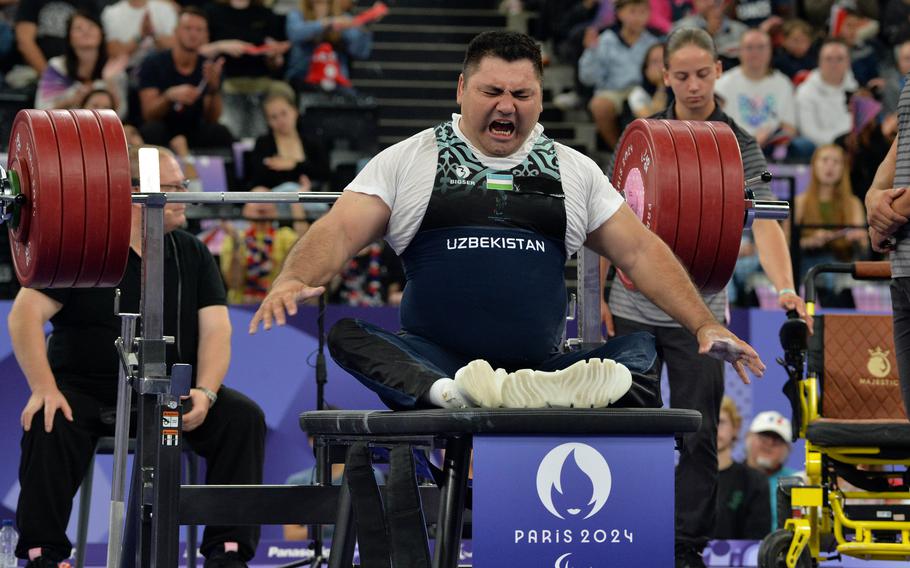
213	358
157	108
212	106
318	256
661	278
773	253
30	348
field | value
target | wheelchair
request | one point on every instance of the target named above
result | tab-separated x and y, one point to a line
847	406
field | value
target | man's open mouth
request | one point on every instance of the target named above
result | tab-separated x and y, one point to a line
502	128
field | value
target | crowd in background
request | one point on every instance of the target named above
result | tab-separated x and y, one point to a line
816	82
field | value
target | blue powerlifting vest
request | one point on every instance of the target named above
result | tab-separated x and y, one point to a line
486	269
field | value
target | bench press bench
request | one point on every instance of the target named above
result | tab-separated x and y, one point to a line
530	503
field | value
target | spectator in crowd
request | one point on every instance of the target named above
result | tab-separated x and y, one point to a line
764	14
650	97
251	259
577	30
247	76
829	200
137	28
84	67
286	159
895	22
760	99
742	492
895	77
818	12
865	53
709	15
98	99
180	90
613	65
322	24
42	31
767	449
797	55
822	114
372	278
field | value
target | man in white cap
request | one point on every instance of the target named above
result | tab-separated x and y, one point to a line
767	449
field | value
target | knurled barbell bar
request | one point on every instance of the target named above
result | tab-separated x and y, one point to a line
66	195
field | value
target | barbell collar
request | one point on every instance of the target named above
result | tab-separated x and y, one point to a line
758	209
236	197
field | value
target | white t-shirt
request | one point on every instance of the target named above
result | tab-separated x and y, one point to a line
123	22
402	176
754	105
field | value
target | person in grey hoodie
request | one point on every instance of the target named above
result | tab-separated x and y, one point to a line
822	112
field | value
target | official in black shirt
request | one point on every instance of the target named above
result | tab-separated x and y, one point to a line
73	379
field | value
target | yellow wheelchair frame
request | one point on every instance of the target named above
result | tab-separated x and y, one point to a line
819	511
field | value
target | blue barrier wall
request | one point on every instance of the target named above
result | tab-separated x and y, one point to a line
277	369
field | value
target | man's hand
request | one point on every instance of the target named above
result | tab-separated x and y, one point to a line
281	302
880	211
52	400
881	243
790	300
606	317
719	342
211	72
195	417
184	94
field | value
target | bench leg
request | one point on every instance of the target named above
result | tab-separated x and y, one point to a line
452	498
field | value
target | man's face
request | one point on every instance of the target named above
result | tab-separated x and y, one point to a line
691	73
755	51
634	17
192	32
767	451
903	58
172	181
833	62
500	104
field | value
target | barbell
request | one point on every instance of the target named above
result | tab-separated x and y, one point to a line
684	180
66	195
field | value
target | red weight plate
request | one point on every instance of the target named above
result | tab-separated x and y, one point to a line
645	172
35	243
734	207
712	199
94	163
690	180
74	198
120	189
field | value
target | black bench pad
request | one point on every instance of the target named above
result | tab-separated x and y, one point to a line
631	421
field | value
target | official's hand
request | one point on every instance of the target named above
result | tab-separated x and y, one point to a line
195	417
281	302
880	211
881	243
719	342
606	317
791	301
52	400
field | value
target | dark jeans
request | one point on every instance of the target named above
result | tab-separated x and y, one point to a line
697	383
900	303
401	367
203	135
231	439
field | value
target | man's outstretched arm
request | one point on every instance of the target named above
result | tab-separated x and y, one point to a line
354	221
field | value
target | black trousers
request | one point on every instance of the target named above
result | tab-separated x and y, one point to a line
697	383
231	439
900	304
